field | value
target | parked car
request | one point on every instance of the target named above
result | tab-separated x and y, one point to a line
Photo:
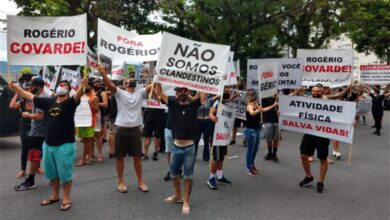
9	118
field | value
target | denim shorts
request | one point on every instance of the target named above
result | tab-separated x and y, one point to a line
183	156
58	161
168	140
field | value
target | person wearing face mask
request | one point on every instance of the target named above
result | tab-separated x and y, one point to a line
100	121
252	130
87	133
59	147
24	127
128	121
36	135
184	111
219	152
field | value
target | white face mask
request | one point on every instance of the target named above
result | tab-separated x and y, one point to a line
61	91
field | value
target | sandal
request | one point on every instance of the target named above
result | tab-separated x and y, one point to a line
122	188
49	201
185	210
99	159
65	206
80	163
144	188
90	162
173	200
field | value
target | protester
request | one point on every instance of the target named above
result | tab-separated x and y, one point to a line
128	122
100	123
183	152
24	106
36	135
238	123
204	127
113	111
271	129
219	152
154	120
59	148
87	133
377	107
252	130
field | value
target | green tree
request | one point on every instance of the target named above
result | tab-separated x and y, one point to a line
369	27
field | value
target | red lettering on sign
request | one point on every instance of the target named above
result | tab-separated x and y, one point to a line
129	42
297	124
267	74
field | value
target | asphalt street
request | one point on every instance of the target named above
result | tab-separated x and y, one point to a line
360	190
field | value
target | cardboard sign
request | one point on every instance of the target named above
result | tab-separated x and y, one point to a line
330	67
72	76
375	74
196	65
239	103
319	117
231	71
253	71
83	114
47	40
268	79
119	44
363	106
224	125
290	73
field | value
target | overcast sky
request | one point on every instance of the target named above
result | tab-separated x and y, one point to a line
7	8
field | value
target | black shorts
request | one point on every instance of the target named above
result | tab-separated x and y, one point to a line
153	127
238	122
219	153
128	142
35	148
310	143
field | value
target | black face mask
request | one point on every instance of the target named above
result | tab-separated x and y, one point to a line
86	90
34	91
226	96
183	97
132	84
97	88
317	96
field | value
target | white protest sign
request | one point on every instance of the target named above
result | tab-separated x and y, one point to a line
116	43
47	40
92	59
224	125
319	117
375	74
237	67
83	114
72	76
252	77
3	46
268	79
363	106
330	67
239	103
290	73
231	79
196	65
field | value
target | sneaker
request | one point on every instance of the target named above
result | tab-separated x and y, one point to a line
144	157
155	156
168	177
268	157
232	142
306	181
275	159
212	183
320	187
251	172
224	181
25	186
338	156
255	170
334	153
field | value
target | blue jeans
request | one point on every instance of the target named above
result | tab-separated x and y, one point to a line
252	137
168	140
205	127
183	156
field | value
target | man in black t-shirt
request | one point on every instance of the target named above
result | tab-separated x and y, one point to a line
183	131
271	129
59	148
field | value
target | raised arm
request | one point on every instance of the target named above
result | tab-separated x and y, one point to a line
160	93
20	91
104	103
106	80
80	91
14	103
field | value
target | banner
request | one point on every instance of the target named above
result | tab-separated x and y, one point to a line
231	71
3	46
83	114
330	67
290	73
196	65
268	79
363	106
252	77
63	73
375	74
47	40
239	103
224	125
320	117
119	44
